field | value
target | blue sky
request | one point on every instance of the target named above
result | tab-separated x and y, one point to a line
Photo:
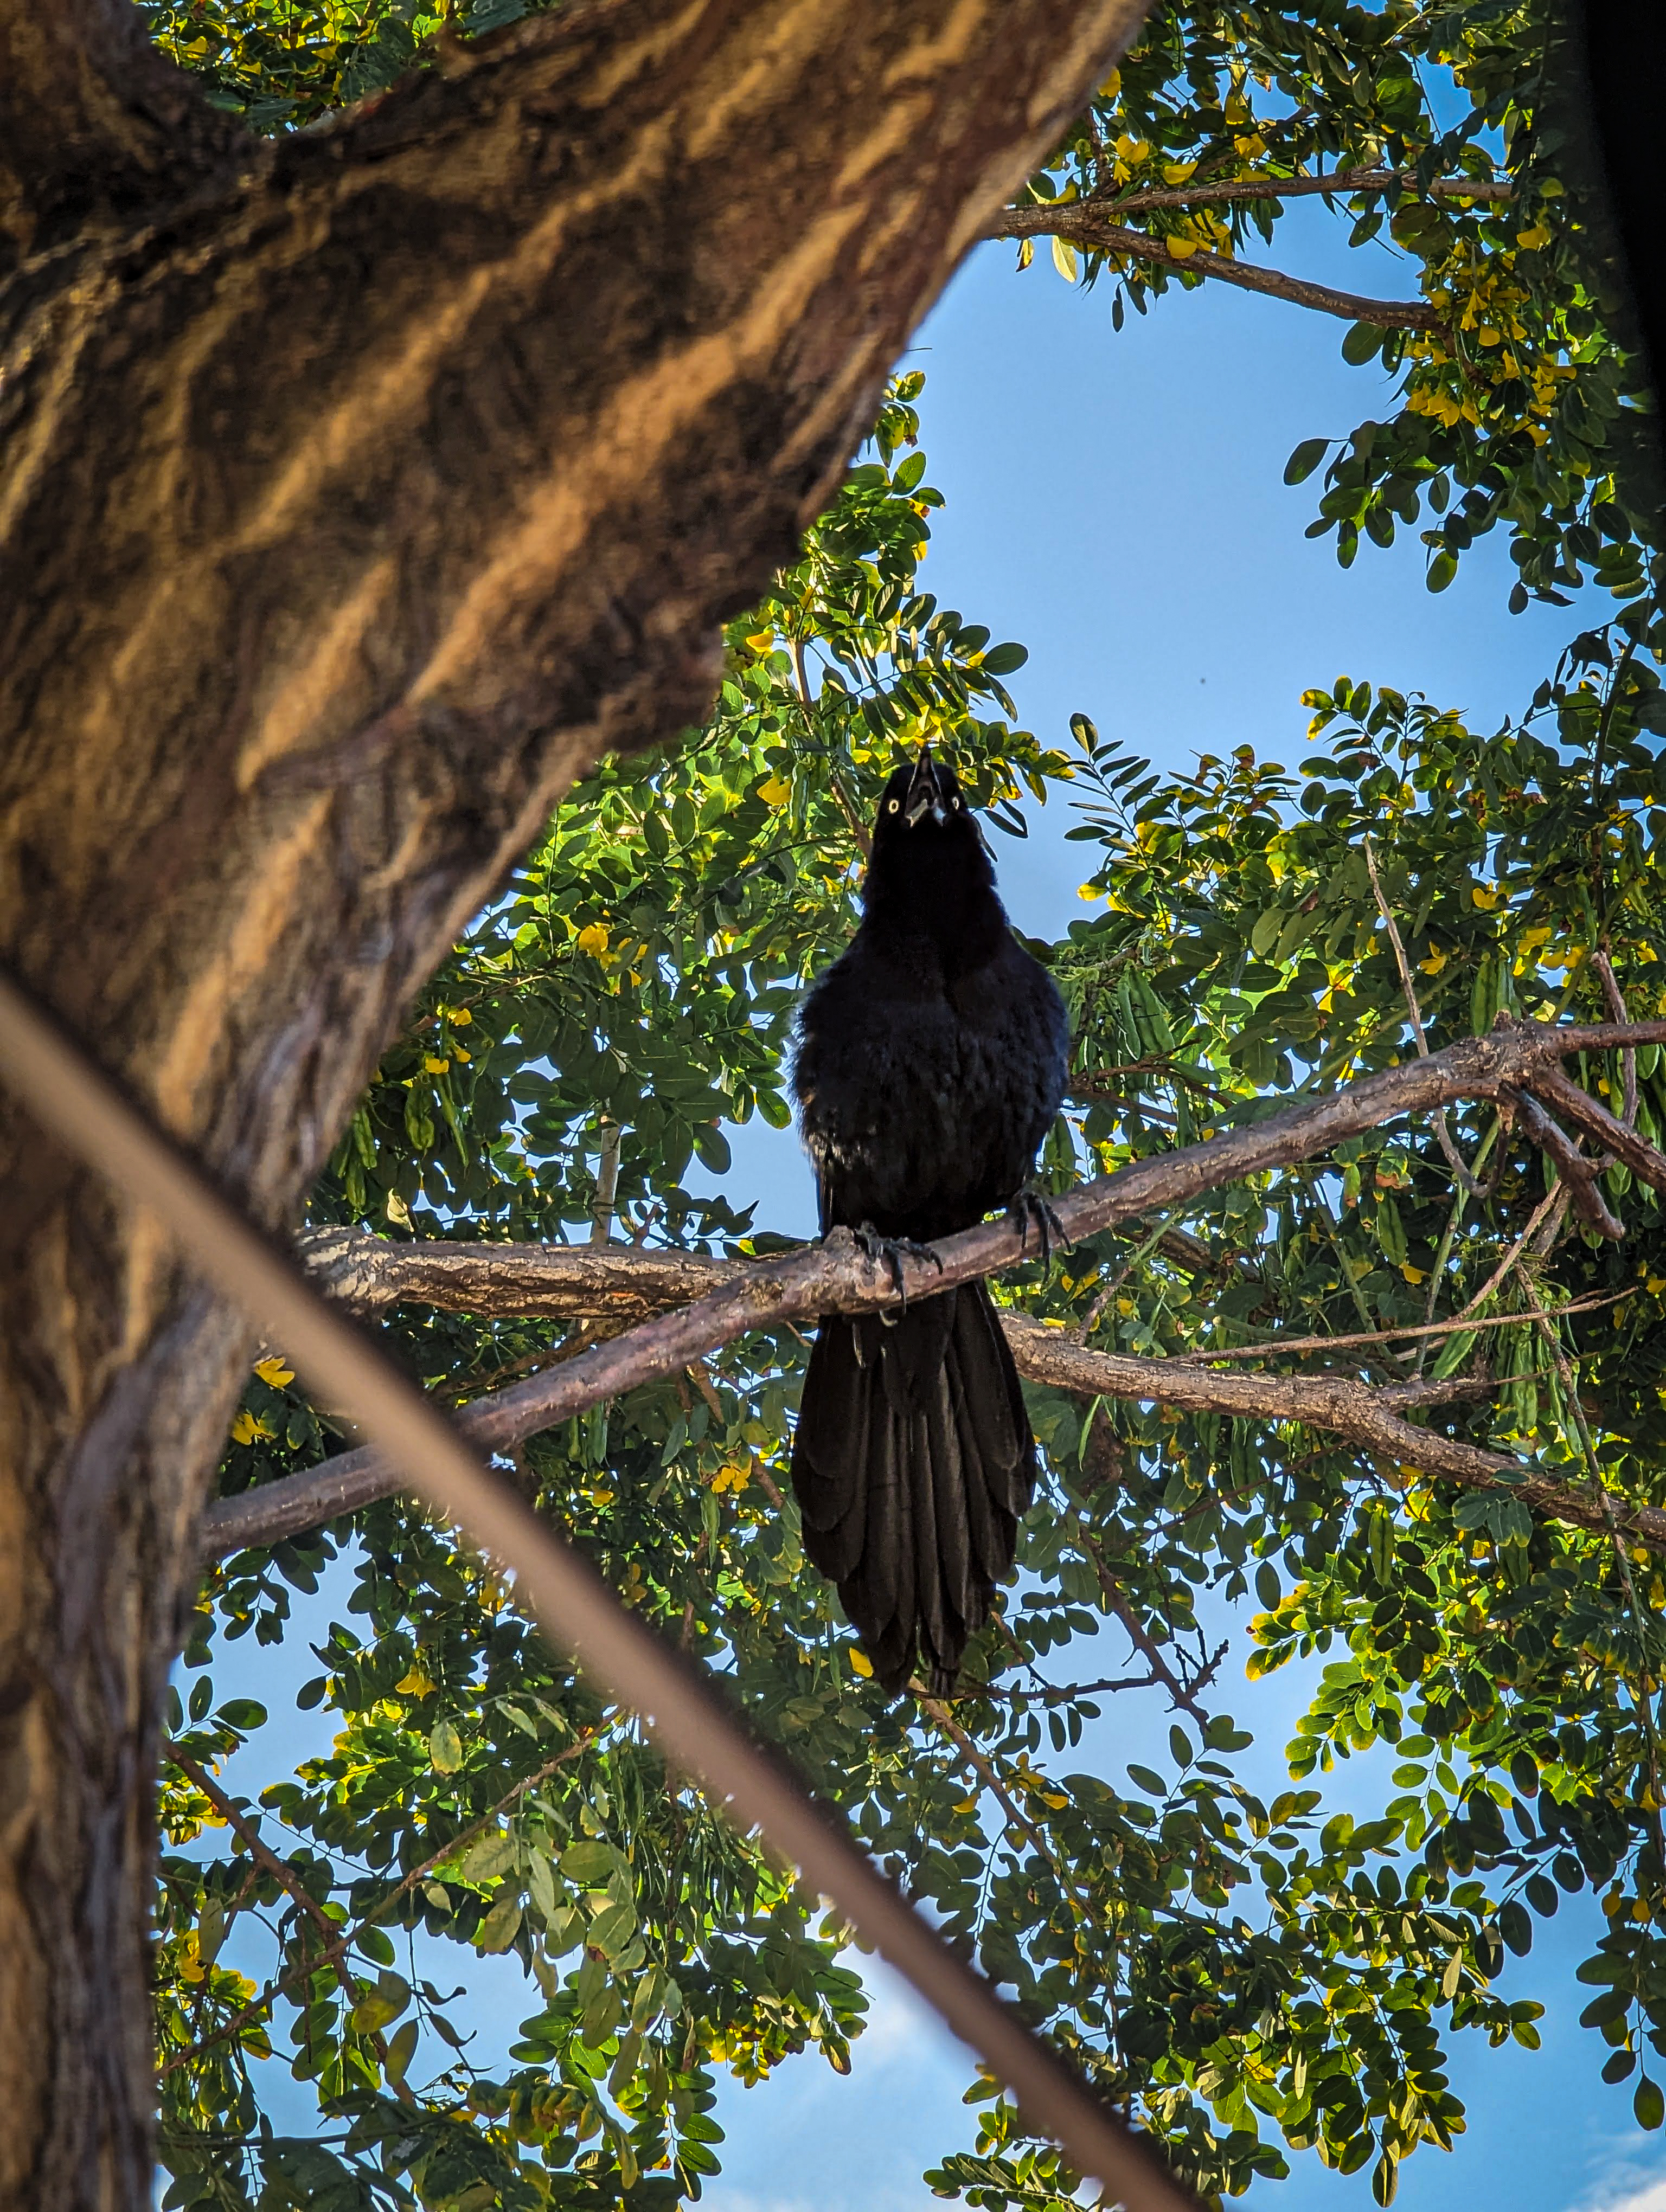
1115	502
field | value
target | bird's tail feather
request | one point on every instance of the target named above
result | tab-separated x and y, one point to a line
912	1463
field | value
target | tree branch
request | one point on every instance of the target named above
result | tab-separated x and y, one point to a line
1589	1113
1082	223
838	1276
1337	181
1460	1323
1359	1414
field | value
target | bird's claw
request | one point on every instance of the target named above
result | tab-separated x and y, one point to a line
1030	1205
891	1252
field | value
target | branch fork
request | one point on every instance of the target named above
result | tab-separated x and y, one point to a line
681	1306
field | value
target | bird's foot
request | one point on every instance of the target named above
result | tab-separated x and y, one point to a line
891	1252
1030	1207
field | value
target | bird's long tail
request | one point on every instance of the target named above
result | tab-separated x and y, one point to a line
912	1463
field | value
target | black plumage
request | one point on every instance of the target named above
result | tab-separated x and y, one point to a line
931	1061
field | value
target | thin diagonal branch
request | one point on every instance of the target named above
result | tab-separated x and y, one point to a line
342	1942
284	1875
1553	1088
1181	1694
1577	1173
1430	1328
1614	999
1082	224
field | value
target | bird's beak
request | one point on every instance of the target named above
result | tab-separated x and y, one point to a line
921	798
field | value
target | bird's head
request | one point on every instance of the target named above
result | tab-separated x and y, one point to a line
927	845
922	804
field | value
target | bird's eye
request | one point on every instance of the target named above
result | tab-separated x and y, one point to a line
892	806
954	802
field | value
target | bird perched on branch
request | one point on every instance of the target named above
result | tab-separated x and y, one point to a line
931	1061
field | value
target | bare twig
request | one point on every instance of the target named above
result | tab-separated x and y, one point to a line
607	1184
1466	1181
1614	999
1553	1202
285	1875
985	1771
1181	1694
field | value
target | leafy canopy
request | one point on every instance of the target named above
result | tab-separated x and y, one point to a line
1248	1977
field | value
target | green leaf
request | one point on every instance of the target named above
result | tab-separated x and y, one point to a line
1647	2104
1305	458
445	1748
588	1861
713	1147
612	1929
492	1856
1362	341
502	1924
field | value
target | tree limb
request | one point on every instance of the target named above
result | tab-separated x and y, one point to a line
727	1299
1337	181
1082	224
1555	1089
1359	1414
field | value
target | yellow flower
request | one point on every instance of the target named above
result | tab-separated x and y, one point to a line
434	1066
1414	1275
733	1477
246	1427
593	939
458	1053
275	1370
1539	234
458	1017
776	792
415	1683
1655	1285
761	640
1182	248
1436	961
1482	895
860	1663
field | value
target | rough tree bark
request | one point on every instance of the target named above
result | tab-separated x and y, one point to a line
360	487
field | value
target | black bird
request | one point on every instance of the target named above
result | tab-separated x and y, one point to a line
931	1061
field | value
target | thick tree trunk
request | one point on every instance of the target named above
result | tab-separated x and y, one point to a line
359	490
